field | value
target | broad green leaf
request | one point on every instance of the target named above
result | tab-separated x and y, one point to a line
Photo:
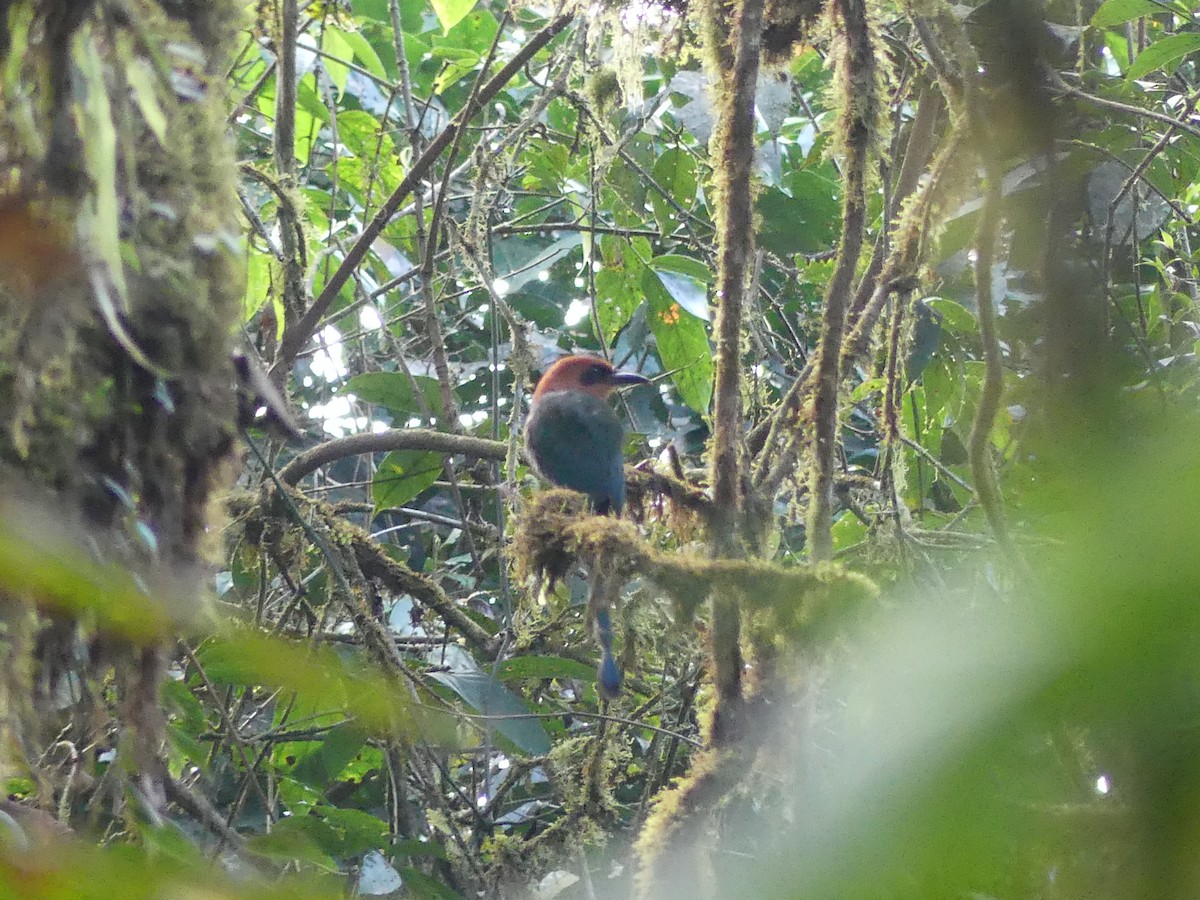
547	167
451	12
414	847
804	221
686	280
296	837
847	531
403	475
955	316
520	262
488	696
340	746
866	388
365	54
1163	53
544	667
420	886
460	62
617	298
682	344
619	282
338	53
371	9
542	302
307	125
394	390
258	284
675	172
1117	12
364	136
352	831
684	265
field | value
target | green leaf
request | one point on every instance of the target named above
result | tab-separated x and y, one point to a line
354	831
258	284
682	345
804	221
296	837
847	531
543	667
403	475
414	847
1162	53
488	696
394	390
338	53
1117	12
371	9
686	280
307	125
340	747
321	679
420	886
518	262
675	171
451	12
99	218
364	136
365	54
619	283
955	316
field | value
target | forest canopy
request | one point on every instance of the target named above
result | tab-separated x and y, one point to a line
904	589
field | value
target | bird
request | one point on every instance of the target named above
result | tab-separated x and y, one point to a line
573	437
575	440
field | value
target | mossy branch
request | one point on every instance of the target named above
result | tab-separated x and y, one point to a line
856	72
909	240
555	531
738	62
368	555
734	150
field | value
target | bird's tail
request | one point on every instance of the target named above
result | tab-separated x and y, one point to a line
608	675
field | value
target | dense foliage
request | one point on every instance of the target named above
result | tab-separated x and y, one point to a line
905	592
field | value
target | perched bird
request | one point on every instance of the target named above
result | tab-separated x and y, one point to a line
575	440
573	436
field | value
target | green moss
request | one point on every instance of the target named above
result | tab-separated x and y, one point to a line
603	91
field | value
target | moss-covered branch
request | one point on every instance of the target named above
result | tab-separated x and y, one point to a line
556	531
857	76
738	62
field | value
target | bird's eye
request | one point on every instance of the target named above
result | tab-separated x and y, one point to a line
595	375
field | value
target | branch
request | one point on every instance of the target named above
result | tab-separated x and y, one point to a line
392	439
556	530
735	239
857	76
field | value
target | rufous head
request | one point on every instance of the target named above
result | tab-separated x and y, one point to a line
589	374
